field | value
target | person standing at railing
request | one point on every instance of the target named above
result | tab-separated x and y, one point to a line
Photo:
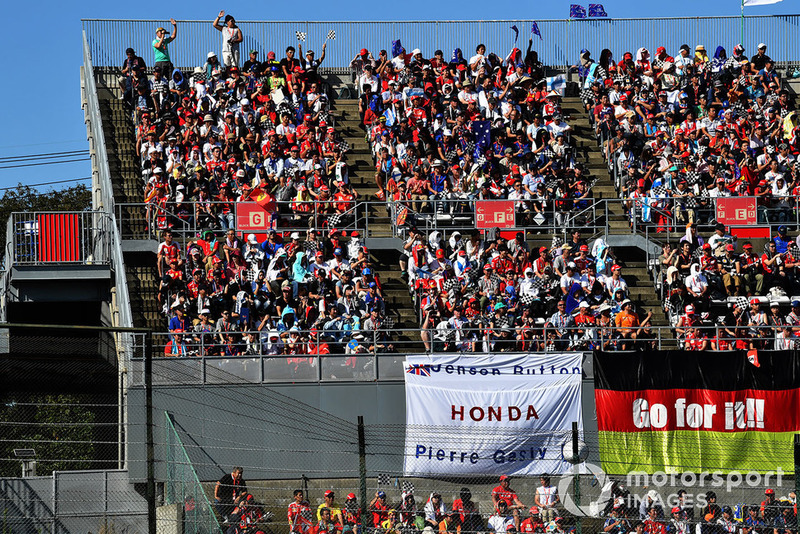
231	37
161	49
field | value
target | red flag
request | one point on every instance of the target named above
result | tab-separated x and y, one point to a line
263	198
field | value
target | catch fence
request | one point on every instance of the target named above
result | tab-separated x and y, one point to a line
561	44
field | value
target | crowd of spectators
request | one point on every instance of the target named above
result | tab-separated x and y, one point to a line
652	516
682	131
721	295
679	132
455	130
259	131
228	132
434	515
446	132
481	293
622	512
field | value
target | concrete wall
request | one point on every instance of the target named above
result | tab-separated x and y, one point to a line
266	428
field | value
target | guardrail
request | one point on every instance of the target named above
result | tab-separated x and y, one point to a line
316	356
67	237
103	193
560	46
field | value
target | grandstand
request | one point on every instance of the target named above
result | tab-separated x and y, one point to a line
282	243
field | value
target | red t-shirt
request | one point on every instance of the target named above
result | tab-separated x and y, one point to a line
507	495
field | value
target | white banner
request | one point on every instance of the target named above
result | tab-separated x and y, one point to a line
491	414
746	3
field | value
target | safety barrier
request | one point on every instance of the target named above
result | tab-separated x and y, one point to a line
560	46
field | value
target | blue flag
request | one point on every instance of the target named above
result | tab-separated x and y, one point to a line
516	32
535	30
483	137
597	10
577	11
397	48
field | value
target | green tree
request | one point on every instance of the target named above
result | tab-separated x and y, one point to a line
58	427
25	198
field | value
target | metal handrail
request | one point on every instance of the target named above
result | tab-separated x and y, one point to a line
561	44
103	197
443	214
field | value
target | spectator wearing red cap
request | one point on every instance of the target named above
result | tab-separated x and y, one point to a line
770	507
329	502
532	523
504	494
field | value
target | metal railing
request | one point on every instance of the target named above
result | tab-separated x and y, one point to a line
370	218
38	238
103	192
193	217
311	356
561	44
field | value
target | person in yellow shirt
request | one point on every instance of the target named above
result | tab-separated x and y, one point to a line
330	504
392	524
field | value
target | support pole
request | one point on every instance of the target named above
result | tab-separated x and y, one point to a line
148	400
362	468
576	482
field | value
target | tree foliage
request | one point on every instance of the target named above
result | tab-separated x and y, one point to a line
56	426
25	198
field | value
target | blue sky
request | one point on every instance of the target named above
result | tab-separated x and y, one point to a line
41	95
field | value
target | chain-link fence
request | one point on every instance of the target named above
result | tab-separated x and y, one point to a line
183	493
83	455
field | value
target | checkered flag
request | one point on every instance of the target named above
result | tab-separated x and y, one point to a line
527	300
301	36
332	35
408	487
384	479
660	190
344	146
741	303
334	220
450	284
537	283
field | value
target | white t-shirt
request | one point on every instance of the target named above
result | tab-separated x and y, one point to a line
499	524
547	496
481	59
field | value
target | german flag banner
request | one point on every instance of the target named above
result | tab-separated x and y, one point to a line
677	411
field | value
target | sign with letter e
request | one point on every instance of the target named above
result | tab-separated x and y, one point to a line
739	211
494	214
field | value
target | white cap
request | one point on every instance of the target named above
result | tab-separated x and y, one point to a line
415	52
244	102
583	304
205	311
251	238
761	45
211	54
447	132
240	172
295	235
158	170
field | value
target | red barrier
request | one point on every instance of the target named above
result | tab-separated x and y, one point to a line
59	237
